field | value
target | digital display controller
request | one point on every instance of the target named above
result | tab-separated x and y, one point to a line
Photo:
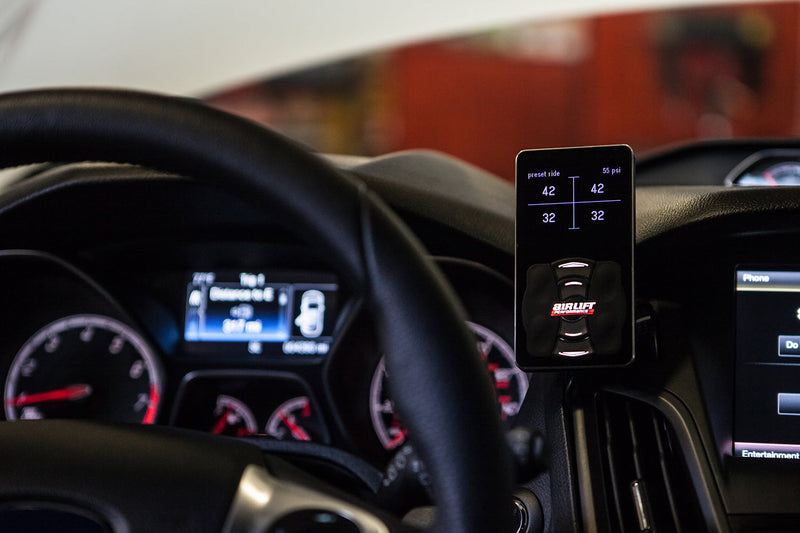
767	412
574	257
266	312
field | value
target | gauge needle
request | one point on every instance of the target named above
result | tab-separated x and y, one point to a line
73	392
397	439
770	179
296	430
219	427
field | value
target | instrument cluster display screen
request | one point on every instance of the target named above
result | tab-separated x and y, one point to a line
269	313
767	412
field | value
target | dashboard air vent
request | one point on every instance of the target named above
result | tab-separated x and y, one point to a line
647	484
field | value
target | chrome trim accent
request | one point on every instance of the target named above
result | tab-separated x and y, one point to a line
640	504
523	516
261	500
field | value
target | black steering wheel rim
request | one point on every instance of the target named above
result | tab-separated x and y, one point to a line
445	396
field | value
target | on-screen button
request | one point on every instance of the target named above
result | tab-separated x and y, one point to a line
788	404
789	345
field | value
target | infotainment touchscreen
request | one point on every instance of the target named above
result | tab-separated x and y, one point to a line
266	313
767	412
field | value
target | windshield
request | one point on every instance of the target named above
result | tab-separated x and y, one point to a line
647	79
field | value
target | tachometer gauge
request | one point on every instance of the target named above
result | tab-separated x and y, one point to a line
84	366
294	420
511	385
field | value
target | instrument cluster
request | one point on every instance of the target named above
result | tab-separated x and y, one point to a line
279	353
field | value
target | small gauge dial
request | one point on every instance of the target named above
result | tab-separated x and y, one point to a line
244	403
84	366
511	385
233	417
781	174
294	420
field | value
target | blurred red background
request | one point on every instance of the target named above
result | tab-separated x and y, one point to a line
646	79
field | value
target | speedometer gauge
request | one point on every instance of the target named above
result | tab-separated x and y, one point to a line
510	383
84	366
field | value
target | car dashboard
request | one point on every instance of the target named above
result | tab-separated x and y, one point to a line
219	320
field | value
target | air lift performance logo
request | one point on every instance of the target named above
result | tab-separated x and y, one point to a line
573	309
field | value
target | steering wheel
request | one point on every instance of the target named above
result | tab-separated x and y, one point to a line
151	478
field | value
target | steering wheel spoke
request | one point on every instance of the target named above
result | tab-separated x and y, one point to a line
264	503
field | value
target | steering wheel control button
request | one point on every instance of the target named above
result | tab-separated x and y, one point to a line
314	521
574	257
789	346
